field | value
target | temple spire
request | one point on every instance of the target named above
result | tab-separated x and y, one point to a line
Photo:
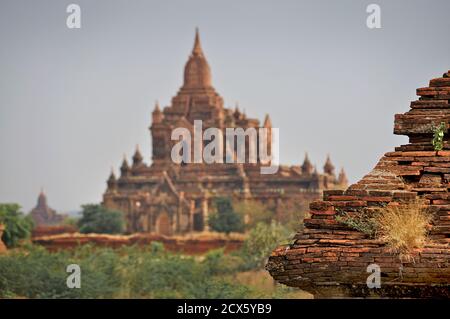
307	166
42	199
315	172
197	50
112	176
328	168
267	121
111	182
342	179
137	157
157	115
125	167
197	74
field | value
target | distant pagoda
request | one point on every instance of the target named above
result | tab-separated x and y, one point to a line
43	215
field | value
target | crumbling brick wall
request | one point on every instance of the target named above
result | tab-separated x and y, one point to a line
183	244
328	258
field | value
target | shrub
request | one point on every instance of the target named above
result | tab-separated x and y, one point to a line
37	273
71	222
216	262
362	222
17	226
403	227
253	212
225	219
292	214
260	242
438	136
127	272
98	219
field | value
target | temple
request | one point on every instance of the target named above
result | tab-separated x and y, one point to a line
169	198
43	215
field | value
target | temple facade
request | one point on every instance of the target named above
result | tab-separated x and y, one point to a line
172	198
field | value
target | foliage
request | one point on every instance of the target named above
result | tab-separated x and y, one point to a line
225	219
253	212
98	219
70	221
292	214
288	213
404	227
176	276
37	273
260	242
362	222
140	272
438	137
17	226
216	262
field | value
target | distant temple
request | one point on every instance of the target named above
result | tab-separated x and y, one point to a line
169	198
43	215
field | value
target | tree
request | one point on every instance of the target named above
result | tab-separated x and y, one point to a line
225	219
17	226
98	219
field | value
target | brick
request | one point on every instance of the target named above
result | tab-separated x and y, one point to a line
413	171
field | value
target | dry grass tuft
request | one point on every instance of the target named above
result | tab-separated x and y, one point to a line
404	227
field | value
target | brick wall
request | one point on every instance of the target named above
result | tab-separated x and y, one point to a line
196	244
328	258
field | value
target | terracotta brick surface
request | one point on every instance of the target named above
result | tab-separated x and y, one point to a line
198	244
339	255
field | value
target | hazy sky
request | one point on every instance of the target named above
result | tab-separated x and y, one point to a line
72	102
